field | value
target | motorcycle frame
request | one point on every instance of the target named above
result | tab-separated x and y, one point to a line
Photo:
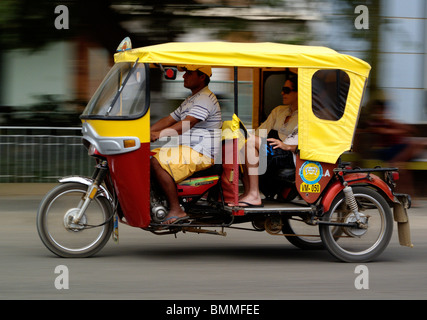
130	171
120	141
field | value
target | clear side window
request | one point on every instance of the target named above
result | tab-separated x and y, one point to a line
329	93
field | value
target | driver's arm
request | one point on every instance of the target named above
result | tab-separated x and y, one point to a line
168	127
163	123
160	125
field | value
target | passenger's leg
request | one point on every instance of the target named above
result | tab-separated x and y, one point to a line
251	194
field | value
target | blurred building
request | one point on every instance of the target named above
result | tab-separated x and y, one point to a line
400	48
68	72
403	59
71	70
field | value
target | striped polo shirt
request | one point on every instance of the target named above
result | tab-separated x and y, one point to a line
204	136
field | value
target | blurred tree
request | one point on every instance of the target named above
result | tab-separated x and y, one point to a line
24	24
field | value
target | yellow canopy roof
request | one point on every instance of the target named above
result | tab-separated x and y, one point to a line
231	54
319	140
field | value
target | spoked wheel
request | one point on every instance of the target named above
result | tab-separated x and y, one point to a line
65	238
304	237
358	244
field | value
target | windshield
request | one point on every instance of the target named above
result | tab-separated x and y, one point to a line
122	94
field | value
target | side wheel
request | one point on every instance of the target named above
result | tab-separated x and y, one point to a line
67	239
358	244
304	237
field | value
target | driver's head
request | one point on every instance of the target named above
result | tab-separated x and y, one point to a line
207	70
196	77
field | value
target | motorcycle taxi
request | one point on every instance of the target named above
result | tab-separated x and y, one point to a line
323	203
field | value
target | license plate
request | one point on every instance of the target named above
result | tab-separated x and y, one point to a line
310	188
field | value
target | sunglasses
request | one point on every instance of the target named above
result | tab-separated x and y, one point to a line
287	90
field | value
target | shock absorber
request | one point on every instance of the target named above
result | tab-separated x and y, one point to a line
351	201
101	172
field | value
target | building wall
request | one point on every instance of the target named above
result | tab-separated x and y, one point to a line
402	66
403	59
72	71
30	74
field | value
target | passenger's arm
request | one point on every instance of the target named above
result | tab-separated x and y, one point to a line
276	143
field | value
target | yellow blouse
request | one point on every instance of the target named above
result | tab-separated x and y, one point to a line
276	121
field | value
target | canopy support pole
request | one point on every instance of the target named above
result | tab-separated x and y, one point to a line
236	92
235	144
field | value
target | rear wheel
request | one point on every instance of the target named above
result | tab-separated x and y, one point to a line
358	244
305	236
67	239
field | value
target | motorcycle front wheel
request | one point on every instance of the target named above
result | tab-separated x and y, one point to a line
358	244
66	239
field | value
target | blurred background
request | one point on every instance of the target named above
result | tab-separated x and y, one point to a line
48	74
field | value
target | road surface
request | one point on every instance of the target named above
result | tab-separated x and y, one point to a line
241	266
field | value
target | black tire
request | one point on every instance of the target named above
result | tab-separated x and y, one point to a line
302	242
354	244
67	240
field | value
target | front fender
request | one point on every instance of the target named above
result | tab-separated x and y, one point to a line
353	179
102	191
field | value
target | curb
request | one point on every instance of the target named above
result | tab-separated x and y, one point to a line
29	189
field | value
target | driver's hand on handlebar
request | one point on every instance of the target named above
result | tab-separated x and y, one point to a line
154	135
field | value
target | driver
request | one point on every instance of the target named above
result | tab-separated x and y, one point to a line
196	121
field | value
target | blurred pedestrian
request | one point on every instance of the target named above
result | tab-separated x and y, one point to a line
395	141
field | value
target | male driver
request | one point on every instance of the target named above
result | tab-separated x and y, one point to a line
196	121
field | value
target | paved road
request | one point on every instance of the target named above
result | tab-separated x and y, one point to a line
243	265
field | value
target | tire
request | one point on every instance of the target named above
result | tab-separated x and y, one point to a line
302	242
67	240
355	244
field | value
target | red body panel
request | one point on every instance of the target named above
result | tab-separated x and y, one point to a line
230	171
130	173
324	172
337	186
